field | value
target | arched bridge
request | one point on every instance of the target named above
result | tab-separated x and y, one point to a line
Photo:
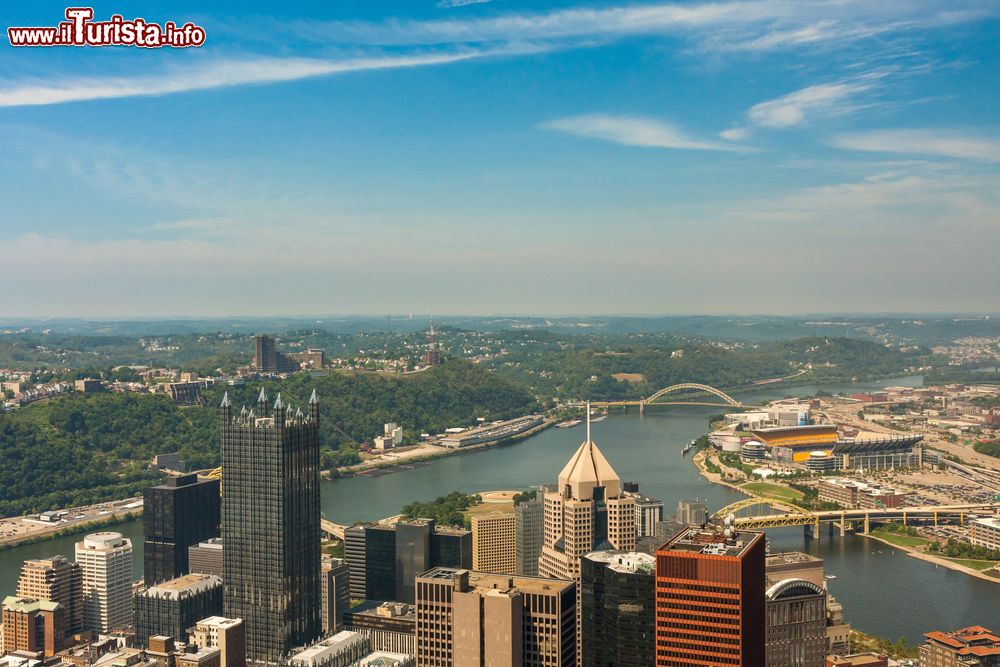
683	386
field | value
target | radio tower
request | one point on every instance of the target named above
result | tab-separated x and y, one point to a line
433	355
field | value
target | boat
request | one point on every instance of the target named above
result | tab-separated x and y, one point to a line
688	447
570	423
830	576
594	420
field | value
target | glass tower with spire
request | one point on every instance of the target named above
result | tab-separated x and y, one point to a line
271	524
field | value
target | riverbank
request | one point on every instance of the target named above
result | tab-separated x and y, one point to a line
76	529
426	453
937	560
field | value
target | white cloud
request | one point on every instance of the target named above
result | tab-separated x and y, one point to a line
940	143
633	131
735	134
218	74
794	108
453	4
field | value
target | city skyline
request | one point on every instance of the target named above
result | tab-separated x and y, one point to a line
572	157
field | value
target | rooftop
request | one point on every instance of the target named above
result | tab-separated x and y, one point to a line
711	542
626	562
485	582
189	584
27	605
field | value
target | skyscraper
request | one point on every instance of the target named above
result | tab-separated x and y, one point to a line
529	527
106	560
617	609
475	618
710	599
271	524
57	579
177	514
494	543
587	511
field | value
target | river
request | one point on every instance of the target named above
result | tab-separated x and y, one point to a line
883	590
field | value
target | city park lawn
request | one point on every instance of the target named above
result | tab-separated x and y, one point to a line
774	492
901	540
975	564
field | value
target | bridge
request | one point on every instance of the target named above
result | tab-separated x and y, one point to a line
684	386
761	513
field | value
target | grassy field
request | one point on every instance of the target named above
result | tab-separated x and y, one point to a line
974	564
774	491
901	540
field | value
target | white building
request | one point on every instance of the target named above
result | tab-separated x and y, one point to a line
392	436
340	650
106	560
985	532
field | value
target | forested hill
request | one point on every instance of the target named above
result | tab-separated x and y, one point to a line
80	448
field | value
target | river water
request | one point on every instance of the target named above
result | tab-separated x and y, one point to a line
883	590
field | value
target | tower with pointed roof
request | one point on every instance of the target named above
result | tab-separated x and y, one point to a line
271	524
587	511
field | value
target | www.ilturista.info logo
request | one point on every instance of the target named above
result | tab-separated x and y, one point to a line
79	29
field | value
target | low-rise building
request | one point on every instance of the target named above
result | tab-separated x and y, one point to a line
35	626
226	634
974	646
170	608
985	532
853	494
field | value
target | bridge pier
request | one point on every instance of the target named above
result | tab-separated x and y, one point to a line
843	525
868	524
642	408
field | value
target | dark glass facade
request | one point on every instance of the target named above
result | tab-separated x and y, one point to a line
172	614
617	612
380	562
178	514
271	525
395	555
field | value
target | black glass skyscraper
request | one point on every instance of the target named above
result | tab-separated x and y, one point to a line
271	524
178	514
617	607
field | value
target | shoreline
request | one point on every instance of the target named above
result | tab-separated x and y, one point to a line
936	560
67	531
441	452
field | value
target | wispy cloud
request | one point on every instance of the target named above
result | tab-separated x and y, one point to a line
767	23
453	4
220	74
794	108
633	131
925	142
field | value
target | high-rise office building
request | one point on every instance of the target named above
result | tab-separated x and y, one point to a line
796	624
206	557
226	634
177	514
57	579
710	599
617	609
648	513
792	610
529	527
35	626
354	556
494	538
390	556
106	561
475	618
692	513
587	511
267	359
172	607
336	597
271	524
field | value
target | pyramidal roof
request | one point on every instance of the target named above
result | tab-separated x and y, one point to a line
588	468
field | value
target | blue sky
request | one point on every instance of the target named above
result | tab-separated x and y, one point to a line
775	156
